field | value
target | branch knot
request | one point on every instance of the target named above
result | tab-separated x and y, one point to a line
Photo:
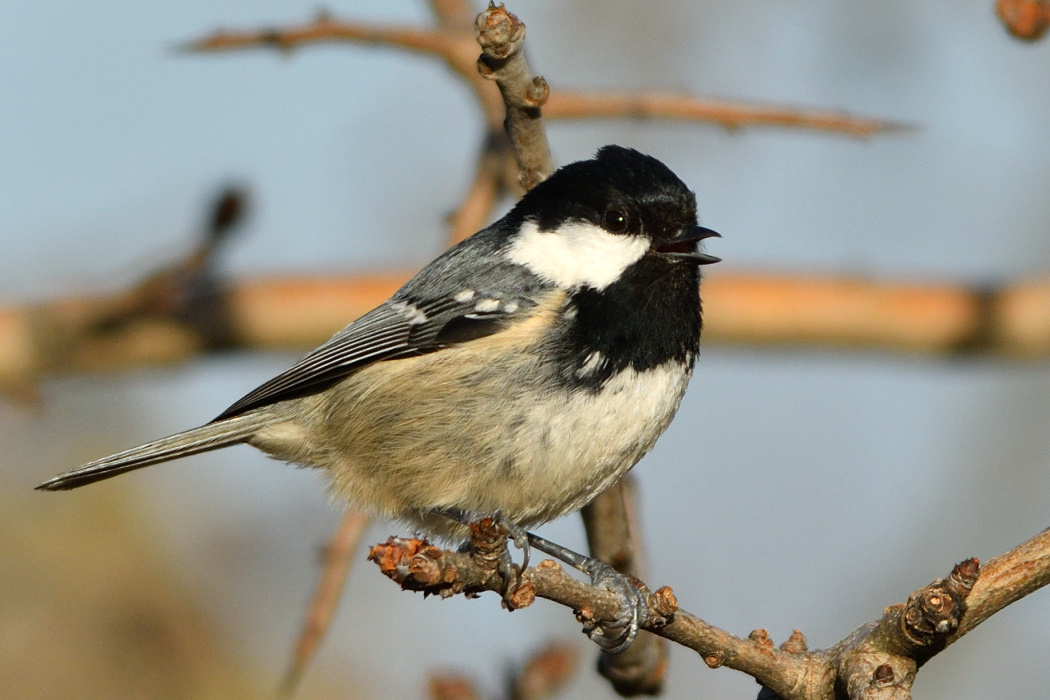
936	610
499	33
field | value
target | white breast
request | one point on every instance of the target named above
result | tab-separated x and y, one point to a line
579	446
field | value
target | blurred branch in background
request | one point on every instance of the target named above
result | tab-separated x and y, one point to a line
338	557
78	335
543	675
454	41
1025	19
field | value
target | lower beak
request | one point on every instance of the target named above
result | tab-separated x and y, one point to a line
683	246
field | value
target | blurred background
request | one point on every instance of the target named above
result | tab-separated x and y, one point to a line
800	488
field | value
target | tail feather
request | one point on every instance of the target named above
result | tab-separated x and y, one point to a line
207	437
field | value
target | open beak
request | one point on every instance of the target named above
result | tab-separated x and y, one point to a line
683	246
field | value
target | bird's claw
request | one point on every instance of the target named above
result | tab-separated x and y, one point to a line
519	536
508	571
611	636
614	636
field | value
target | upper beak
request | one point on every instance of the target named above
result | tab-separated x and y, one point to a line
683	246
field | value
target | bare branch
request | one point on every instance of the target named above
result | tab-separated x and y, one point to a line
927	318
877	660
1006	579
453	42
501	36
567	104
326	29
66	336
337	559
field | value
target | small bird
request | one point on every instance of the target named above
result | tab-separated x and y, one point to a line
522	372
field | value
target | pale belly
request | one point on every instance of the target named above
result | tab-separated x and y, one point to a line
455	431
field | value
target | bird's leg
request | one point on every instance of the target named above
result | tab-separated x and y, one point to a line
611	636
507	570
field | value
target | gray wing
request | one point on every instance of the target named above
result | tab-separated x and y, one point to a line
441	306
380	334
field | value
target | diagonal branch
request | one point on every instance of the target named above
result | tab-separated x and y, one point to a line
1005	580
452	42
879	659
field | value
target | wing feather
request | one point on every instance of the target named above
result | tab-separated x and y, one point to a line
428	313
380	334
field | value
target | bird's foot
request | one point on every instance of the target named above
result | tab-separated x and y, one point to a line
612	636
509	572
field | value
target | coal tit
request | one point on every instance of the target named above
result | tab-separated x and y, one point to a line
522	372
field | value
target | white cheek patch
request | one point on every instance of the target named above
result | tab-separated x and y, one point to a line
576	254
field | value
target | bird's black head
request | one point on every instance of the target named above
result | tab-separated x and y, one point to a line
619	233
620	189
590	220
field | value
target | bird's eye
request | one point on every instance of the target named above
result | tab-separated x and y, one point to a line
616	221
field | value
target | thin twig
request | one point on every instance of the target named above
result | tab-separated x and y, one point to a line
338	555
569	104
502	36
453	42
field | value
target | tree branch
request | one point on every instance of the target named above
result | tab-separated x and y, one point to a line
502	36
568	104
1006	579
453	42
338	556
877	660
77	335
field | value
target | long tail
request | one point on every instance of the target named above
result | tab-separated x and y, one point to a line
207	437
